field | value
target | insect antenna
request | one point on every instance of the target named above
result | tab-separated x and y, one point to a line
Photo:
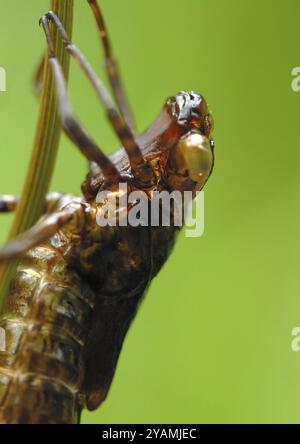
141	169
111	66
70	123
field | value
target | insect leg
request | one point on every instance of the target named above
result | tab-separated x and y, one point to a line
140	168
40	232
70	123
8	203
38	77
111	67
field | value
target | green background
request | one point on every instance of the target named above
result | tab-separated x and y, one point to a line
212	341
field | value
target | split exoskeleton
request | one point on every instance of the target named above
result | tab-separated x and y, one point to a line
78	285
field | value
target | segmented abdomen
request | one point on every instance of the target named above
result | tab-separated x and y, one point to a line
46	323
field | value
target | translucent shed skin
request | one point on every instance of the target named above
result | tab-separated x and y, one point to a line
75	295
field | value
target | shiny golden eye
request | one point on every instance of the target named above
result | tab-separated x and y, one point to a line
196	156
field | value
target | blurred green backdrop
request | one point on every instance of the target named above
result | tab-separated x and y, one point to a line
212	341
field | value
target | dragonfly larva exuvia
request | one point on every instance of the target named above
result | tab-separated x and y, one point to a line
78	285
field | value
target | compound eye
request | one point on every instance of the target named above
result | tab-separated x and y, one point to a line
197	156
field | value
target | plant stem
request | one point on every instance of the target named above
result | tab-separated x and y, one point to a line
45	146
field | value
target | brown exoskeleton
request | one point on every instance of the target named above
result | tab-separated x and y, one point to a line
78	285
